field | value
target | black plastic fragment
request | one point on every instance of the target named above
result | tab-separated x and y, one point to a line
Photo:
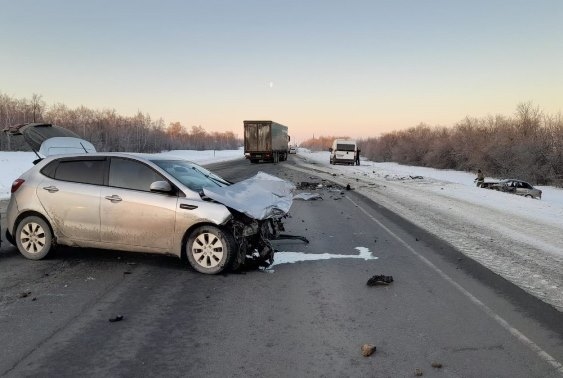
380	279
116	318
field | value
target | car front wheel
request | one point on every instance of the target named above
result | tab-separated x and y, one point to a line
34	238
210	250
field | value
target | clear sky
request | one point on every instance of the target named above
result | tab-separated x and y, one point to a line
323	67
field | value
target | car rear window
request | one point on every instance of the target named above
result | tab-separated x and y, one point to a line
345	147
82	171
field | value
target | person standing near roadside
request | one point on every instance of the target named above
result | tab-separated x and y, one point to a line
480	178
357	156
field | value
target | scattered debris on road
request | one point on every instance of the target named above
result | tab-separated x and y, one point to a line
24	294
308	196
380	280
418	372
319	190
368	350
308	185
436	365
116	318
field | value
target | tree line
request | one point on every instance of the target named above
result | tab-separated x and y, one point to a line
527	145
107	130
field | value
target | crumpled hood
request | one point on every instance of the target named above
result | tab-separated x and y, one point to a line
260	197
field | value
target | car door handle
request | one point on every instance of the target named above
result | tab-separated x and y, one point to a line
115	198
51	189
187	207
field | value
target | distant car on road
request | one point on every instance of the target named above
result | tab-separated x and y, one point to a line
518	187
292	150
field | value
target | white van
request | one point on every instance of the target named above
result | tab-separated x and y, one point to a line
343	151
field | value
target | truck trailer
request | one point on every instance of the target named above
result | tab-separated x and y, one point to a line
266	141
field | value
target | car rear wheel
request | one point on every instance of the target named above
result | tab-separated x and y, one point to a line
34	238
210	250
529	196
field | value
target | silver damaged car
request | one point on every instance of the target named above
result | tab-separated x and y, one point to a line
144	203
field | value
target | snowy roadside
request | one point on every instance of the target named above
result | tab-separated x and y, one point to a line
516	237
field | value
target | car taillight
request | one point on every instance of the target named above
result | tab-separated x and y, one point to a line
16	184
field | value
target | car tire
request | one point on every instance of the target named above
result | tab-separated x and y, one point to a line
529	196
34	238
210	250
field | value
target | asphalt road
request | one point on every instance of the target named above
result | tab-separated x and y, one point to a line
307	318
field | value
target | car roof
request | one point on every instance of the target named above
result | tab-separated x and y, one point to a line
515	180
138	156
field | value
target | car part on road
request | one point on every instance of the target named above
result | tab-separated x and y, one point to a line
253	239
380	280
308	196
277	225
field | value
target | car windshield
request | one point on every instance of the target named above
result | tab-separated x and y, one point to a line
191	175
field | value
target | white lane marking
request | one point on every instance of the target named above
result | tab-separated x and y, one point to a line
293	257
513	331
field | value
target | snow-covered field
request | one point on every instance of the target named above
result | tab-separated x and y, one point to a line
520	239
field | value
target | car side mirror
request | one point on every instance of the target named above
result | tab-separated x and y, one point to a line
161	187
330	149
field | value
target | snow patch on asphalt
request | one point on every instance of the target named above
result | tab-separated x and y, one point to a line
295	257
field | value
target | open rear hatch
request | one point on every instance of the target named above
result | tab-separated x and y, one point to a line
46	139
